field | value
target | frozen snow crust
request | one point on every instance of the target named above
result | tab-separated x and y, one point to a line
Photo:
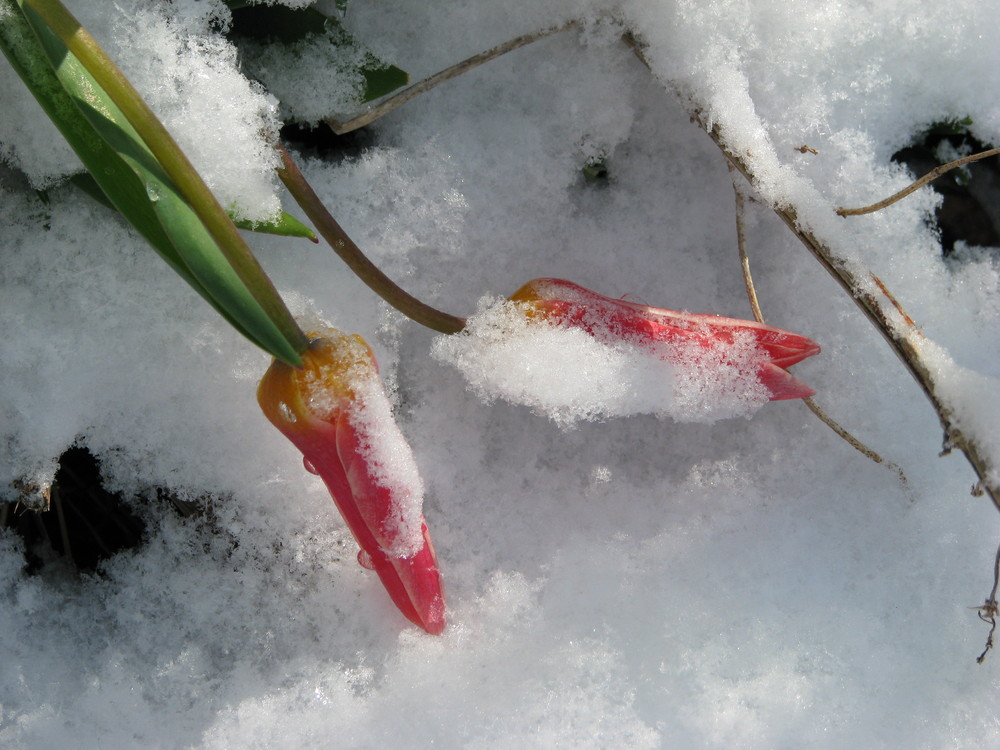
629	583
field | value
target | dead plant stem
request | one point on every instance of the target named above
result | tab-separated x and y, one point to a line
759	317
903	336
398	100
988	612
916	185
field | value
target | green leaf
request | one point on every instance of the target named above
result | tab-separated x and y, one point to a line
285	225
381	78
134	181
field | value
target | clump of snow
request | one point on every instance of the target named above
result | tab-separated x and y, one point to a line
972	400
223	122
571	375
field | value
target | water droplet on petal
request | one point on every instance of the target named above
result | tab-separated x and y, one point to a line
365	560
309	467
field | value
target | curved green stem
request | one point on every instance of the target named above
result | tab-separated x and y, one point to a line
351	254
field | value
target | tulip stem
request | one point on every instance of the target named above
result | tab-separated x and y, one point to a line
356	260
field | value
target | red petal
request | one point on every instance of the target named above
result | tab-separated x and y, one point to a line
573	304
412	582
330	446
782	384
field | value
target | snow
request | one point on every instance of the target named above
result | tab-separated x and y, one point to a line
325	74
632	582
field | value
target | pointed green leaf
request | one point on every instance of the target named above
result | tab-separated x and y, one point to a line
285	225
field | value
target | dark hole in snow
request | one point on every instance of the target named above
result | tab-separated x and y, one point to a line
970	208
595	172
84	523
321	142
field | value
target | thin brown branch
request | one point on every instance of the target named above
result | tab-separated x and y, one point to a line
398	100
902	339
741	244
853	441
988	612
914	186
356	260
759	317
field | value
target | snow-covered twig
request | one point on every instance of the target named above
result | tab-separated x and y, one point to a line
884	312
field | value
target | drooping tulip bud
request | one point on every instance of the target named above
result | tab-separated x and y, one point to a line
334	409
567	304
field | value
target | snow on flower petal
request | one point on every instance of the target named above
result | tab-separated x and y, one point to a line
573	354
335	411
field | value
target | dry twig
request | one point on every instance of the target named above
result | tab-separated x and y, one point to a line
759	317
904	339
988	612
741	244
398	100
916	185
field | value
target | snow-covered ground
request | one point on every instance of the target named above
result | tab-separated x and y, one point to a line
627	582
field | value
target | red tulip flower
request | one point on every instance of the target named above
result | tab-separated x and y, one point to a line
564	303
335	411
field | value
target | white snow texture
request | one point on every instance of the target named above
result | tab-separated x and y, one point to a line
632	582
